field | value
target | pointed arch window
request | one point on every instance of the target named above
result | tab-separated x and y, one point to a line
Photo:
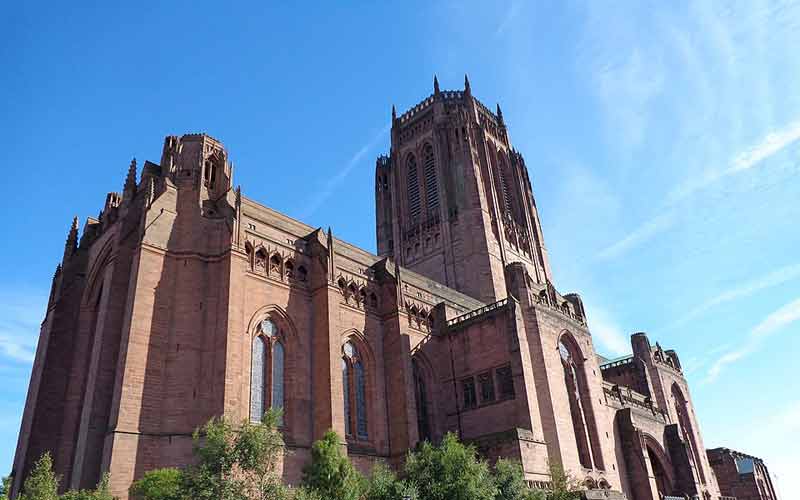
413	188
580	404
505	194
431	188
421	395
354	385
685	426
267	365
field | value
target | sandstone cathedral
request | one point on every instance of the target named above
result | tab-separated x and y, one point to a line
186	300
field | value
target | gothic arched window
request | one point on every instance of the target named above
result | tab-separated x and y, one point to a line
505	195
431	189
580	403
413	188
266	371
685	425
421	397
354	385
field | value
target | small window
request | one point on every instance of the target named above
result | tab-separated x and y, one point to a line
487	387
468	387
505	382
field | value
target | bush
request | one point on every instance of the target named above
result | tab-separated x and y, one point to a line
42	483
384	485
330	474
159	484
450	471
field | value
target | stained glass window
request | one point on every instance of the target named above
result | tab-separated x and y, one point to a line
361	401
257	379
346	392
277	377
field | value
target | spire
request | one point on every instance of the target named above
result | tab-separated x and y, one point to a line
331	265
500	115
72	239
435	85
130	181
394	114
467	88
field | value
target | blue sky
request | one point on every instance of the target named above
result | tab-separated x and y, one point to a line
662	139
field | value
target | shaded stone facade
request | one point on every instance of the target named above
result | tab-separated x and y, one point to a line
186	300
741	476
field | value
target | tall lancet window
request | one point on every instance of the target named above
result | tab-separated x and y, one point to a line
505	195
685	426
580	402
266	371
354	385
412	180
431	188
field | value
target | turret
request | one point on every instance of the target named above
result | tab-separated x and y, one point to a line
71	244
129	191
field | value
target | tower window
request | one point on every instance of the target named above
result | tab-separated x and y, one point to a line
413	189
431	189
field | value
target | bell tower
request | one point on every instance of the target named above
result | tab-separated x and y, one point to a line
453	198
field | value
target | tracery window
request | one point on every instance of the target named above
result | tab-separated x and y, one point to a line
412	180
583	423
354	389
431	188
266	371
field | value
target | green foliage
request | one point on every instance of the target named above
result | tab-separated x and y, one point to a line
510	481
565	487
99	493
330	474
42	483
159	484
5	488
304	494
236	464
450	471
384	485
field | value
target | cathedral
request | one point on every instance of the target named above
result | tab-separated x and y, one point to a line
185	299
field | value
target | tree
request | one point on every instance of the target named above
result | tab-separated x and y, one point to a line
383	484
510	481
330	474
159	484
236	464
564	486
450	471
99	493
42	483
5	488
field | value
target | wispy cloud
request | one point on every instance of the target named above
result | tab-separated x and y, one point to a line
774	322
333	183
512	12
20	316
646	231
606	330
762	282
753	156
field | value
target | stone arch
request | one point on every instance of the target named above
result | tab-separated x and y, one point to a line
580	401
681	404
660	464
276	264
96	274
250	251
